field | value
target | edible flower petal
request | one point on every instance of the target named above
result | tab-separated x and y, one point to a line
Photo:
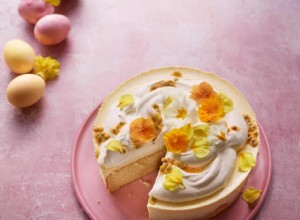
142	130
125	100
53	2
115	145
227	102
173	180
211	110
188	130
177	140
168	101
246	161
201	147
201	92
201	130
46	67
251	195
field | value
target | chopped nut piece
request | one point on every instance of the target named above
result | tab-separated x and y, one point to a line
176	74
118	128
163	83
99	129
151	200
100	136
253	139
97	152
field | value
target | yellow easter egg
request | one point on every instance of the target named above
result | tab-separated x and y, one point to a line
19	56
25	90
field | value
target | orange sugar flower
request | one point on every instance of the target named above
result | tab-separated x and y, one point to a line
202	91
177	140
142	130
211	110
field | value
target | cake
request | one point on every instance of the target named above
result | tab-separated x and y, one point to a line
193	127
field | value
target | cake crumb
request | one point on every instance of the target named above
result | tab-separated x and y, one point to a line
146	183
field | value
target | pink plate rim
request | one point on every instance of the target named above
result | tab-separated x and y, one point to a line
90	213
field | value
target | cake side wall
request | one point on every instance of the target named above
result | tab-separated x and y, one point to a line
195	211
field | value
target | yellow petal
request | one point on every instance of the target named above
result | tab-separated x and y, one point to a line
125	100
53	2
201	147
173	180
115	145
46	67
201	131
251	195
246	161
168	101
187	130
228	104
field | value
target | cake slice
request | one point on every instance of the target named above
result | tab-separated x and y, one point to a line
197	129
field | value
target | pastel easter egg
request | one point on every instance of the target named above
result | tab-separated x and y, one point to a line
19	56
52	29
32	10
25	90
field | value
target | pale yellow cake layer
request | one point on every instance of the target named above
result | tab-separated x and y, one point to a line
116	178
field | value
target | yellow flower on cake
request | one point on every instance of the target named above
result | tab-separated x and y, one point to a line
202	91
142	130
173	180
178	139
211	110
218	134
246	161
179	110
125	100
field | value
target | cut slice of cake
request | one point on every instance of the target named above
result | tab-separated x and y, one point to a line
196	128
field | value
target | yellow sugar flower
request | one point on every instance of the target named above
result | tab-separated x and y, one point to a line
251	195
211	110
227	102
173	180
115	145
177	140
125	100
246	161
53	2
201	130
201	147
46	67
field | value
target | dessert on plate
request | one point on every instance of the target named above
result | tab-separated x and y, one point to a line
194	127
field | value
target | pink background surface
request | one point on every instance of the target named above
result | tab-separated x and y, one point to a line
252	43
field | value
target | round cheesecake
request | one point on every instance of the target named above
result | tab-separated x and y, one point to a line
192	126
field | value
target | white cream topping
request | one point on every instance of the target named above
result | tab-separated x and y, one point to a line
215	176
222	152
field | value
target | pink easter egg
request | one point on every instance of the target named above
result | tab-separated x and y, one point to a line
32	10
52	29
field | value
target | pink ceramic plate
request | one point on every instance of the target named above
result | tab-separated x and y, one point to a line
130	201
